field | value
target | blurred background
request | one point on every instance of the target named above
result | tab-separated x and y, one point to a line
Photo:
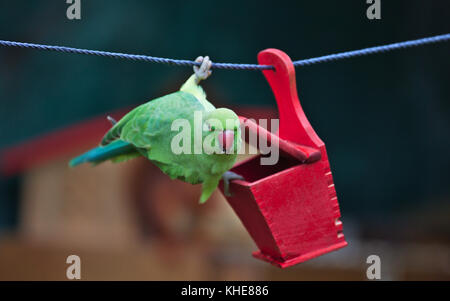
385	120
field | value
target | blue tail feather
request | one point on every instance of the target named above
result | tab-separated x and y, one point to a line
103	153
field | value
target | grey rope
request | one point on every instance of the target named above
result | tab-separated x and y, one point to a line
299	63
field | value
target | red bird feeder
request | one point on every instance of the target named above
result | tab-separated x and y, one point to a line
290	209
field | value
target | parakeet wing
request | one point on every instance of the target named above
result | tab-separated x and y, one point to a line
148	127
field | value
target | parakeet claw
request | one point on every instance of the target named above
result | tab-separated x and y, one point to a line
227	178
112	120
204	71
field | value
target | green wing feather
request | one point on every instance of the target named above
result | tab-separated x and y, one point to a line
148	127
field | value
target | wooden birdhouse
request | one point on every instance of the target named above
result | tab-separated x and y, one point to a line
290	209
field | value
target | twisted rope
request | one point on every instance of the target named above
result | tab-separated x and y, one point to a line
230	66
372	50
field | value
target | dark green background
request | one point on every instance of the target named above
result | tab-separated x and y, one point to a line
385	118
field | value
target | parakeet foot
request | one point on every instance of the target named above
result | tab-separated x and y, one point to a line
203	71
227	178
112	120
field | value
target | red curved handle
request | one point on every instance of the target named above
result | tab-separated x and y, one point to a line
294	126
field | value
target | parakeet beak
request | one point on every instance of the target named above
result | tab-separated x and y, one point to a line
226	139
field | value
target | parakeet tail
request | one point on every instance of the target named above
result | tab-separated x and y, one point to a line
116	151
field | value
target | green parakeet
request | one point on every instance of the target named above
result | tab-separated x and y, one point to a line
208	142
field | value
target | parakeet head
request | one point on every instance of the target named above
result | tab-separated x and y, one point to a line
221	126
